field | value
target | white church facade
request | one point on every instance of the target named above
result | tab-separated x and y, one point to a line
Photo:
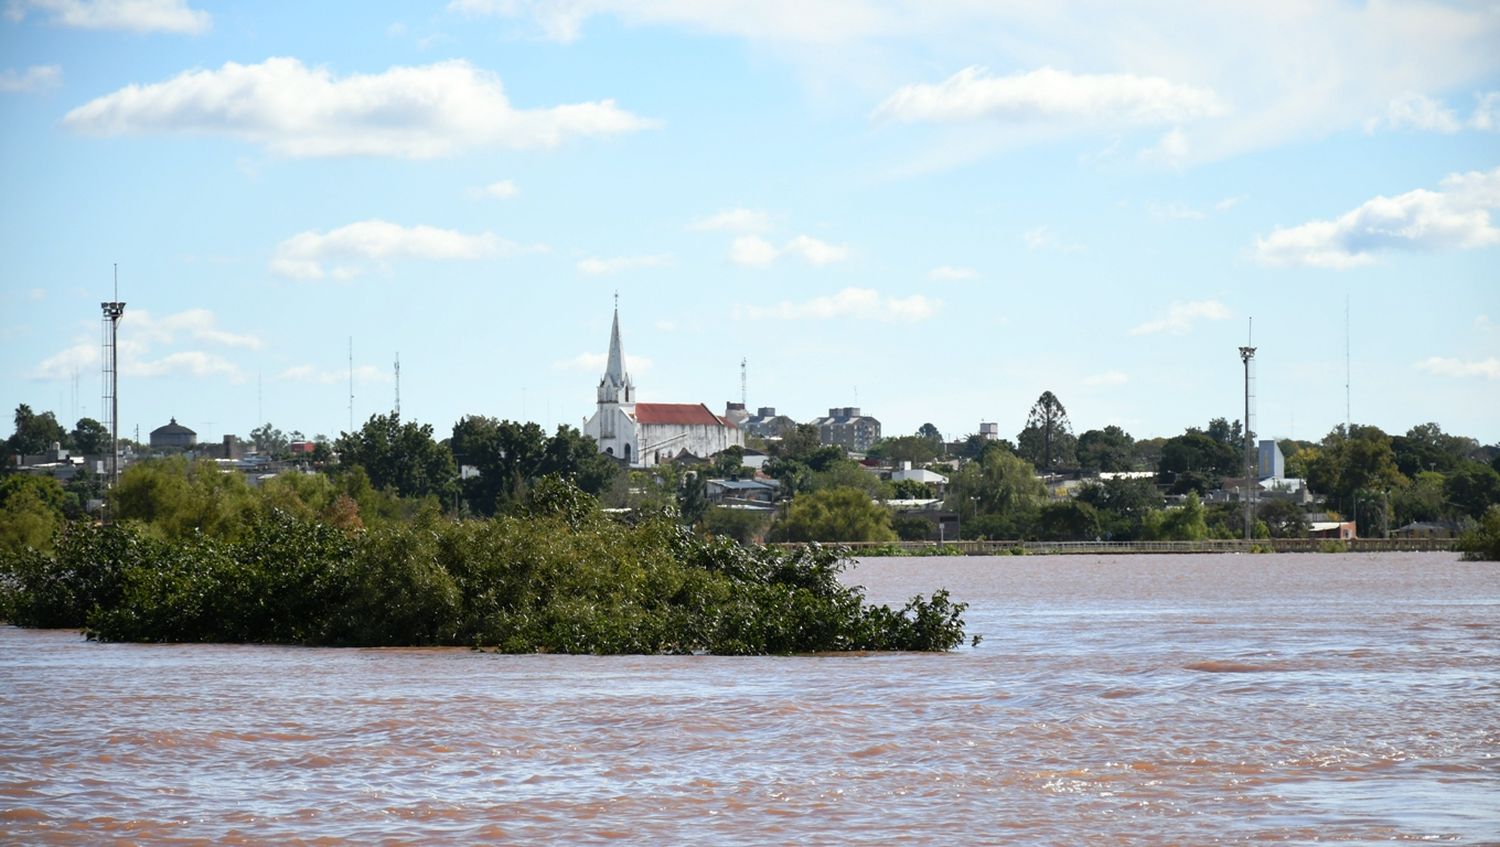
645	434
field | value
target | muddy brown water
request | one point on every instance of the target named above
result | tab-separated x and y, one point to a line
1181	699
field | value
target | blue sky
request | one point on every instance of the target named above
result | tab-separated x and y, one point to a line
934	211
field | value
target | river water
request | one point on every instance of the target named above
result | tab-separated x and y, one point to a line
1187	699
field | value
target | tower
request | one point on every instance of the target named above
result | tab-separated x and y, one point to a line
616	386
112	311
1247	355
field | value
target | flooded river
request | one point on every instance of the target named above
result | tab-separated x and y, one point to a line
1191	699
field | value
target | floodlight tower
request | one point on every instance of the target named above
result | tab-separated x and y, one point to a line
112	311
1247	355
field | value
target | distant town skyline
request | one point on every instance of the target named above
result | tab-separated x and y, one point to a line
931	211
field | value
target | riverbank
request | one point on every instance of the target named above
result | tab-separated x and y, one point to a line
1212	545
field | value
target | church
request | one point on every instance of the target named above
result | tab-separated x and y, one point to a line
641	435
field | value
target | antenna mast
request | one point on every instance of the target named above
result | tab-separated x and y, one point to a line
398	384
1348	417
351	385
112	312
743	392
1247	355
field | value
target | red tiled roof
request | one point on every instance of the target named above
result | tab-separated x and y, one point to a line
676	413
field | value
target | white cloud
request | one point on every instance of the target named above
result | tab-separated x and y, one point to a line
34	78
1178	211
130	15
185	363
308	255
1229	203
1439	366
502	190
1484	324
414	112
754	251
1106	378
1454	217
734	220
597	267
596	362
334	376
1043	238
857	303
950	273
1486	112
1181	317
1321	67
1416	111
141	333
1049	95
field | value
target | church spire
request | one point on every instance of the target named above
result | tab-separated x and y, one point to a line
616	386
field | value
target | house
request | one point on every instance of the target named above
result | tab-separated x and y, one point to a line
1427	529
641	435
729	492
848	428
1341	530
906	472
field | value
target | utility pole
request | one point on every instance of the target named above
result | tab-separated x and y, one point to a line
1247	355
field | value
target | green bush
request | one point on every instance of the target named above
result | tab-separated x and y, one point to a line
1482	542
561	577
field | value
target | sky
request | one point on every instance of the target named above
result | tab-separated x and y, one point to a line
934	211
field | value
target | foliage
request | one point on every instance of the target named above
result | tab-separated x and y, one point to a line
1482	542
1047	441
1196	462
835	514
747	526
177	499
1350	460
1283	518
1422	500
510	456
847	473
1472	488
912	528
1181	523
1000	486
1110	450
399	456
931	433
556	577
1426	447
269	440
729	463
34	432
906	448
31	510
1068	520
692	499
90	438
911	489
1122	505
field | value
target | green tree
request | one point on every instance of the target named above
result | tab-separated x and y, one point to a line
90	437
1195	462
177	499
1283	518
1359	459
835	514
910	489
31	511
906	448
399	456
931	433
797	443
692	499
847	473
1422	500
1068	520
1122	504
510	456
1181	523
747	526
729	462
1001	487
1472	488
269	440
1109	450
1047	441
1426	447
35	433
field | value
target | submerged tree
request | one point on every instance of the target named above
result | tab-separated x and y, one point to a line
1047	441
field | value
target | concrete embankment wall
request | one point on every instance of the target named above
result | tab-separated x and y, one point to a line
1278	545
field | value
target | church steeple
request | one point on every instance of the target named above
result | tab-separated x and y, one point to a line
616	386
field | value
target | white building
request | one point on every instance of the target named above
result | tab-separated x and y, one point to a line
646	434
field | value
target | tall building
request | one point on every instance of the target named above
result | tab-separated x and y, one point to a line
848	428
640	435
